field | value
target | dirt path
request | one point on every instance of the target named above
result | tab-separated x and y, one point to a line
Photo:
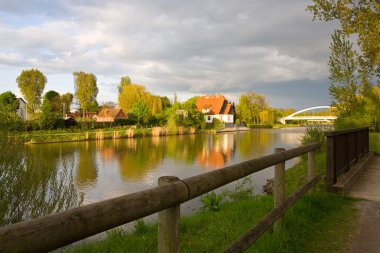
367	238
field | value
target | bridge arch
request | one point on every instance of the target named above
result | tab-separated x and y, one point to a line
310	118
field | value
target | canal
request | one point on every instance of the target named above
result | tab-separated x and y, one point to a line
57	176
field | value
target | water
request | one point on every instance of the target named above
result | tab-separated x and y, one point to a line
87	172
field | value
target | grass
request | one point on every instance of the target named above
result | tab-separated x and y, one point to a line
317	217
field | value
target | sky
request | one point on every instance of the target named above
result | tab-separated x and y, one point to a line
271	47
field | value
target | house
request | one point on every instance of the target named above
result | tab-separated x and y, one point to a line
110	115
216	107
22	109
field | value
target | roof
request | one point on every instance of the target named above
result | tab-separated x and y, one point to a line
110	112
216	103
21	99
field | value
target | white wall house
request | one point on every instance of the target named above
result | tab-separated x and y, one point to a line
216	107
22	109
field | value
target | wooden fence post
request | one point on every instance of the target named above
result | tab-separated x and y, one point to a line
311	167
168	223
279	189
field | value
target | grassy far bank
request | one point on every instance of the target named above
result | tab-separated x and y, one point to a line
77	134
318	217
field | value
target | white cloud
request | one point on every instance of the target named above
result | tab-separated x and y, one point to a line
184	46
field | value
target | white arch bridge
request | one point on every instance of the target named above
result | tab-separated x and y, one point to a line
322	118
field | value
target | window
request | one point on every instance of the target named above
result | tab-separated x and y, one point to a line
208	118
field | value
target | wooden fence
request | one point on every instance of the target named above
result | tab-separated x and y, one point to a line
59	229
344	148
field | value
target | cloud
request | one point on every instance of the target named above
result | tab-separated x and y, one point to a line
184	46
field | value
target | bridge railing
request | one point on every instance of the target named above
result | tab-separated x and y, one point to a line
344	148
59	229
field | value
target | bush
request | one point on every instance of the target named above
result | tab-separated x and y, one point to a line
315	133
349	122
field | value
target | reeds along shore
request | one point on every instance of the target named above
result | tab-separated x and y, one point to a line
104	134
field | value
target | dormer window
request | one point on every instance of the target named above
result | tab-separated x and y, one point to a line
206	110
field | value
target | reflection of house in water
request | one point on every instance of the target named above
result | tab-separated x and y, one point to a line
217	150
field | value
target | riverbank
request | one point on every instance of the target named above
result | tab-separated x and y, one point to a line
99	134
52	136
317	217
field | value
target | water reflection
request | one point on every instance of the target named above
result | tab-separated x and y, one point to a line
44	178
32	183
217	150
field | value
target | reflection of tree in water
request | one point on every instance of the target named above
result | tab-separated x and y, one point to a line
136	160
254	143
30	183
217	150
87	171
184	148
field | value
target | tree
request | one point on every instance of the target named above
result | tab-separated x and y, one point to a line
31	84
186	114
353	73
130	95
124	81
51	109
249	107
140	110
86	90
9	102
357	17
66	100
133	93
372	107
342	66
165	102
54	99
108	105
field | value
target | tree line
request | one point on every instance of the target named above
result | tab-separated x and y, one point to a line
141	106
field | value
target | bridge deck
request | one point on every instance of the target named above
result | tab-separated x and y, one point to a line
367	185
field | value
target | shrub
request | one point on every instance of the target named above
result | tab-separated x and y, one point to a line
315	133
211	201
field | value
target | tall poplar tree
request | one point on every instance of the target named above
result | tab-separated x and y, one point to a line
86	90
31	84
343	69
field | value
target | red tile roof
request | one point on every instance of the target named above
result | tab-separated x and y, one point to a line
216	103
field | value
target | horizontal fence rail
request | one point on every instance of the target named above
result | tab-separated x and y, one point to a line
59	229
265	223
344	148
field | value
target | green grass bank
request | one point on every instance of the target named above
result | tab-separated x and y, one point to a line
319	222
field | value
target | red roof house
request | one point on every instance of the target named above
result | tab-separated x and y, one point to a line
216	106
110	115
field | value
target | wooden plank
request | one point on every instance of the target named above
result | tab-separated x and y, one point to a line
346	131
245	241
